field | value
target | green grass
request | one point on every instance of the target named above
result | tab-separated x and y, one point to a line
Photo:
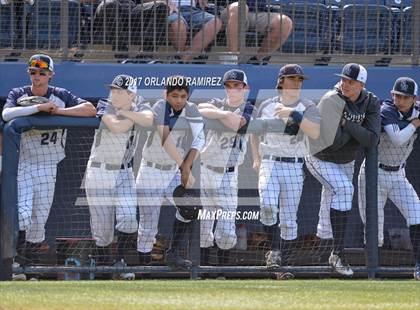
211	294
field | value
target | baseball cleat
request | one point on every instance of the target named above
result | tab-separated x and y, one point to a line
338	265
273	259
18	276
123	275
417	272
284	275
176	262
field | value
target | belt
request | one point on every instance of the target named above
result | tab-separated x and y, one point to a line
96	164
221	169
391	168
159	166
284	159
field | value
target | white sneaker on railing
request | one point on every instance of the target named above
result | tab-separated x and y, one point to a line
339	265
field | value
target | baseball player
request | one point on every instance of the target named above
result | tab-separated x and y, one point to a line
109	183
349	119
40	152
168	156
400	120
220	158
278	157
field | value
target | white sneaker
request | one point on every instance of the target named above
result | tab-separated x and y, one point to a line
339	266
128	276
273	259
18	276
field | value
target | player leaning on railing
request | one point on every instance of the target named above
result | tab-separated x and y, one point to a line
278	158
400	120
109	182
40	152
349	119
222	155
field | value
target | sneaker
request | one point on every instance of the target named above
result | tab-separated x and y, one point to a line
176	262
273	259
123	275
18	276
284	275
338	264
417	272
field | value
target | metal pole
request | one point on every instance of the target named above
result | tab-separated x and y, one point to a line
64	28
242	27
371	227
416	32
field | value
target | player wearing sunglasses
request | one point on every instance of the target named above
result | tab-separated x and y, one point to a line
40	152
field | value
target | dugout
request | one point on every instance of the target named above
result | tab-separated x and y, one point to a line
89	80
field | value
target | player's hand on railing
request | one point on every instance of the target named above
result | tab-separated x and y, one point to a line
48	107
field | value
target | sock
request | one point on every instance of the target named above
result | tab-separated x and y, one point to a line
32	253
205	256
125	242
415	241
286	249
102	255
223	257
179	230
338	224
20	248
273	234
145	258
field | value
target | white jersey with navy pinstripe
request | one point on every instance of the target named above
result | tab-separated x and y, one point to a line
285	145
114	148
227	148
389	153
43	146
153	150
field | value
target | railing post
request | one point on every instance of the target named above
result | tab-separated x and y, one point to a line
8	208
416	33
64	28
371	227
242	26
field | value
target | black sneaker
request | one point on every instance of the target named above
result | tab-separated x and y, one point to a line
176	262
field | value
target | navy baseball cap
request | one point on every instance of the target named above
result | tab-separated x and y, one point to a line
235	75
124	81
292	70
405	86
41	61
354	72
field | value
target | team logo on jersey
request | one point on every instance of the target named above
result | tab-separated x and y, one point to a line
355	118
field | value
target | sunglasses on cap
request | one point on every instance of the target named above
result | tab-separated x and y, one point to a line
39	63
42	72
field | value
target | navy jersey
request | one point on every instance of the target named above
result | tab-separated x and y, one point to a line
43	146
395	122
193	139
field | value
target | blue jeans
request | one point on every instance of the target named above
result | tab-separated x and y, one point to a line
193	17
